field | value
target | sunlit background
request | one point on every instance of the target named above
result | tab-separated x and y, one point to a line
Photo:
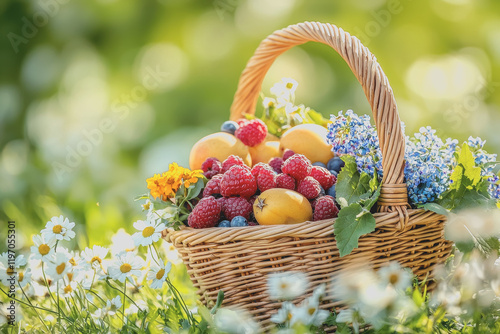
97	95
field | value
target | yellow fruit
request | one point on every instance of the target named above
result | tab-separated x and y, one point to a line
309	140
264	151
219	145
271	137
281	206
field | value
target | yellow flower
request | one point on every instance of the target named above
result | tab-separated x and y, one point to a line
166	185
191	177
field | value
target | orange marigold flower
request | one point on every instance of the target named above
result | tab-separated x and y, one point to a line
166	185
191	177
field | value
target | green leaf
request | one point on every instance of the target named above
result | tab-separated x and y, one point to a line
140	197
353	222
435	208
352	186
195	189
218	303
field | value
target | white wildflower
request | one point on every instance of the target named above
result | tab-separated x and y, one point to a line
235	322
58	228
149	231
287	285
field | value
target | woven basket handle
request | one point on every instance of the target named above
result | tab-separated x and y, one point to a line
375	84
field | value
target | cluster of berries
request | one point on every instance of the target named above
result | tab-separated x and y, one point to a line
232	188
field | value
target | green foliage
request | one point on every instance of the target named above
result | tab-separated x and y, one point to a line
356	193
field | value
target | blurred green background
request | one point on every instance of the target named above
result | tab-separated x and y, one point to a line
97	95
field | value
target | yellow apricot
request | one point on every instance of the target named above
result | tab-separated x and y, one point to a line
281	206
309	140
264	151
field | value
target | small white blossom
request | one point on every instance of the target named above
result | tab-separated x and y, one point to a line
113	305
125	266
235	322
395	275
59	266
121	242
42	249
58	228
8	265
94	257
149	231
158	274
287	285
67	290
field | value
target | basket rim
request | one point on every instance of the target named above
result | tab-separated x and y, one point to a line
308	229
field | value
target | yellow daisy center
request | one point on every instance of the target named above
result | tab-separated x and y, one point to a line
57	229
160	273
289	316
68	289
125	268
289	85
10	271
148	231
21	277
311	310
73	262
44	249
70	276
60	268
96	258
393	278
284	286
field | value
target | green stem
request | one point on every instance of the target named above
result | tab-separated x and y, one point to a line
34	309
124	300
115	288
177	295
26	304
157	256
47	282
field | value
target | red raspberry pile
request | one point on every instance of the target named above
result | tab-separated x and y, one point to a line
233	187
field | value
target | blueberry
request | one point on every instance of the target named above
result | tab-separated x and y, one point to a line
334	173
239	221
331	191
224	223
320	164
322	192
335	164
229	127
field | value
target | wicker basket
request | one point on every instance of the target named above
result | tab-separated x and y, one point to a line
238	260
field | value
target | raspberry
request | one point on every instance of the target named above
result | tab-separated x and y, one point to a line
309	187
252	132
323	176
285	181
252	199
276	164
238	180
211	167
222	203
252	223
287	154
266	180
259	167
237	206
325	208
213	186
205	214
297	166
231	161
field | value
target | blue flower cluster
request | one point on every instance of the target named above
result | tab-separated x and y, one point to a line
354	135
429	160
428	165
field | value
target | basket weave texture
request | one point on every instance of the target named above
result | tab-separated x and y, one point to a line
238	260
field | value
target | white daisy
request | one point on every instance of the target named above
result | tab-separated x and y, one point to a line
284	314
113	305
93	258
149	231
159	274
121	242
269	102
309	313
397	276
235	321
8	265
67	290
285	88
24	277
59	266
287	285
350	317
125	266
58	228
42	249
170	252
